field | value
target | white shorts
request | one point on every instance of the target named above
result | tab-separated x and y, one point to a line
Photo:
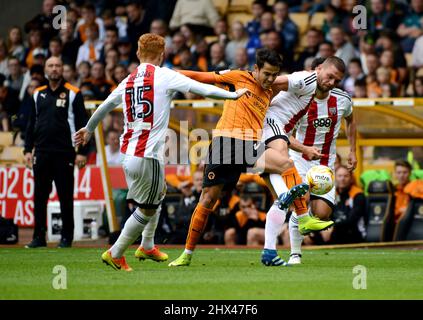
303	166
146	181
273	129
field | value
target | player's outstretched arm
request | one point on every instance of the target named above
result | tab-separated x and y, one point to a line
214	92
351	130
204	77
311	152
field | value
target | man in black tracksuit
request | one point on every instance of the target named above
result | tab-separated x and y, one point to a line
58	111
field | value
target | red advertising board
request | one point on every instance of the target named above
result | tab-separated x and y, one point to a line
17	189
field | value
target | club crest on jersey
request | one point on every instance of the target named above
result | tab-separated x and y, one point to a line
62	95
299	84
332	111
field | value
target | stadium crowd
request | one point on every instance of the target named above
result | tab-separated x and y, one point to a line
98	49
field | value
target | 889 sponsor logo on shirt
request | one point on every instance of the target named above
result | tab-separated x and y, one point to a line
322	123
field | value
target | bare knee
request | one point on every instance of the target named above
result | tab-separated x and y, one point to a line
255	236
230	236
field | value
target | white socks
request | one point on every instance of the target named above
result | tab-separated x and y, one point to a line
150	229
131	231
278	184
295	237
274	220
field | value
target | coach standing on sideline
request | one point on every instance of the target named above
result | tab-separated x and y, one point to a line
57	112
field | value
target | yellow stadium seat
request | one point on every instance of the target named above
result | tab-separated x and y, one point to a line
12	155
317	20
221	6
301	20
6	139
240	6
243	17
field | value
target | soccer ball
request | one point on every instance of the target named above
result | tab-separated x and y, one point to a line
320	180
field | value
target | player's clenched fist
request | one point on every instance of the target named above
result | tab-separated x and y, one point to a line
241	92
82	136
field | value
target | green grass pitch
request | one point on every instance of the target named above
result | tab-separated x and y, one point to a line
213	274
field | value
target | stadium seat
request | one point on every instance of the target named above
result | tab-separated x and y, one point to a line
221	6
6	139
240	6
410	225
317	20
243	17
380	211
12	155
301	19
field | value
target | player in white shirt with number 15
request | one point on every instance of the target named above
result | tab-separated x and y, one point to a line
146	96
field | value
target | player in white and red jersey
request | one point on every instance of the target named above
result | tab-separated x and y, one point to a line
146	96
296	94
319	128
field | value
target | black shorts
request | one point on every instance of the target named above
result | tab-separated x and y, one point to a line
228	158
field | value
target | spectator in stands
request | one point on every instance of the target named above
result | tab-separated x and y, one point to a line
402	172
360	88
36	72
332	18
372	63
221	31
241	60
387	61
44	23
87	91
15	43
178	43
84	70
217	58
253	26
191	191
417	53
412	26
4	60
418	87
69	74
344	49
160	28
285	26
9	104
111	61
247	225
22	116
326	49
389	89
186	61
112	149
119	74
349	211
15	78
55	48
273	41
88	19
200	54
125	49
314	37
138	23
387	41
366	47
110	41
70	43
308	64
201	17
355	72
101	86
380	18
238	40
90	50
189	35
